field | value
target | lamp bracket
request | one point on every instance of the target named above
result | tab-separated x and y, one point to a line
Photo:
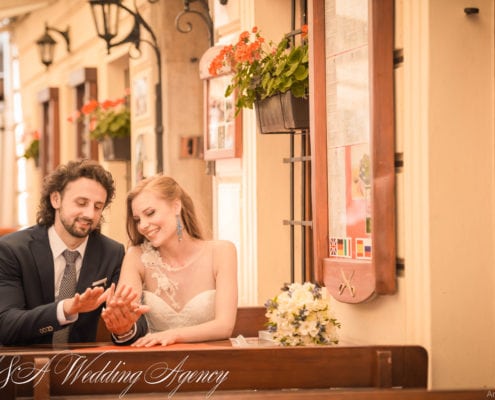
134	37
64	34
46	43
204	14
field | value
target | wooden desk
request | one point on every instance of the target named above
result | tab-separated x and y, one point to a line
205	367
311	394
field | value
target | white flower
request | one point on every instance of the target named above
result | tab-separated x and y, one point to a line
150	256
300	315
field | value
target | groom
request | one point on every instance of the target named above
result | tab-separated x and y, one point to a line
32	262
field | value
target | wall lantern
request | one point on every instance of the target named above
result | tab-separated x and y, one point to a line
106	18
46	44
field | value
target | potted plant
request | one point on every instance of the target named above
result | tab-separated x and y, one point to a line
268	75
33	149
110	124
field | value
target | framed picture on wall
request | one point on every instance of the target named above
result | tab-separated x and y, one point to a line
140	155
222	127
143	155
353	154
141	90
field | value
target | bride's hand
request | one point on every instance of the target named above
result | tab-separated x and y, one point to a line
122	310
163	338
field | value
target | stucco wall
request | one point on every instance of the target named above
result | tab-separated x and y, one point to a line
461	190
273	176
182	92
445	115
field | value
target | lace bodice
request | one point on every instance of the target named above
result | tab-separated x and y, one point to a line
199	309
173	298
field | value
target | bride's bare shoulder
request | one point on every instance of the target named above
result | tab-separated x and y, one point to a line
223	245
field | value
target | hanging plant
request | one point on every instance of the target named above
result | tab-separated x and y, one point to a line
33	149
261	70
109	118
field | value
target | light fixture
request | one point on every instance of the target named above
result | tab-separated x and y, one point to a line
106	19
204	15
46	44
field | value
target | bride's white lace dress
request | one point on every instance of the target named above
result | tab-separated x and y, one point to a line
173	300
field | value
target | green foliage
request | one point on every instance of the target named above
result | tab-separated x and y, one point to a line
33	150
260	71
109	118
112	123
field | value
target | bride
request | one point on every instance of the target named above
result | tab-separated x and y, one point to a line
174	286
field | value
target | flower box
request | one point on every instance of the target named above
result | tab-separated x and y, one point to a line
282	113
262	69
116	148
109	122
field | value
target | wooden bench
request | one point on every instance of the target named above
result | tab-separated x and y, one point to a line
319	394
259	368
312	372
211	367
249	321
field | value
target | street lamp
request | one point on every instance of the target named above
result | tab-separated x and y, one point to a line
46	44
106	19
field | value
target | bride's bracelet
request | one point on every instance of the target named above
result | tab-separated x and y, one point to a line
125	336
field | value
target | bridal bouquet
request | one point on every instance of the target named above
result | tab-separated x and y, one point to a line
300	315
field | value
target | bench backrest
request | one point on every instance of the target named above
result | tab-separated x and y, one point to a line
249	321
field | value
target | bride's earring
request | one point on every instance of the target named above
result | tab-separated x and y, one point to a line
179	228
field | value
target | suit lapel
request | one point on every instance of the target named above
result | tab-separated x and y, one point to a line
89	269
44	262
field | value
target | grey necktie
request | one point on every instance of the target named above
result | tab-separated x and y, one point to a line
67	290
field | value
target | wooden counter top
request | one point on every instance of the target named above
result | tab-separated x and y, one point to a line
204	367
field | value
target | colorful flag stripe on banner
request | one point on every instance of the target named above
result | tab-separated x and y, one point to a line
363	248
340	247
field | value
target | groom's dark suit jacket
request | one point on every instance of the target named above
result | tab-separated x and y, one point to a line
27	305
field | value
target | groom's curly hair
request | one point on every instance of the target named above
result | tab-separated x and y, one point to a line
64	174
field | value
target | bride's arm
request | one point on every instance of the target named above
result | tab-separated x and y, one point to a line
225	269
123	308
